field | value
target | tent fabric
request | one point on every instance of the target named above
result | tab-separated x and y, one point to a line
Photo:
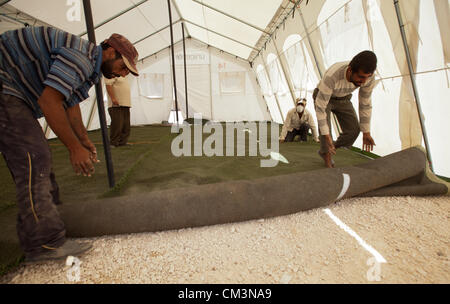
283	52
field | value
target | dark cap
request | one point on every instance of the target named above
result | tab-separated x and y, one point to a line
127	50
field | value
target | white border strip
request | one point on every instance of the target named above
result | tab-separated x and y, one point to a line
376	254
345	186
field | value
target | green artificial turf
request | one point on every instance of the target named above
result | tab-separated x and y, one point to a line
148	165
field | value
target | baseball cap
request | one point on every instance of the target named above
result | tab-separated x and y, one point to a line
300	101
126	49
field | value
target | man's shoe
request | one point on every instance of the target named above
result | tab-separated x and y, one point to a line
69	248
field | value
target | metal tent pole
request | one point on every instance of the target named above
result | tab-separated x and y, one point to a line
173	60
413	80
185	72
99	93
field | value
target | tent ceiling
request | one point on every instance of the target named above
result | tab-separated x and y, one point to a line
144	22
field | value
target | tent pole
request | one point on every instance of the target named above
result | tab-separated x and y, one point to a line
99	93
266	70
173	60
185	71
115	16
179	15
316	61
210	83
310	44
291	89
413	80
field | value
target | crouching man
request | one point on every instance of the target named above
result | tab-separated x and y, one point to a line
298	122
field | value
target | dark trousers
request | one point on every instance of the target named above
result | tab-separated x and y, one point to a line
302	131
28	157
348	120
119	130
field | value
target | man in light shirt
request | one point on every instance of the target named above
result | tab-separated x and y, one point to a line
333	94
119	104
298	122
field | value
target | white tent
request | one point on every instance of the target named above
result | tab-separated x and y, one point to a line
248	60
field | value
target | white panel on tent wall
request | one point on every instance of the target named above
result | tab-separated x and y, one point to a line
245	106
219	42
231	28
430	54
191	11
266	88
343	35
434	96
262	10
55	12
177	34
153	44
385	128
382	46
147	111
157	13
279	84
229	46
197	32
273	108
121	25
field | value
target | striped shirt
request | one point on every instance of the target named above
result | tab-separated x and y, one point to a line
294	122
335	84
34	57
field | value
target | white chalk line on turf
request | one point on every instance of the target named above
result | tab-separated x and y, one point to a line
346	184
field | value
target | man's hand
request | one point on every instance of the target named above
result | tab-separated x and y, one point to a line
281	140
329	143
316	140
115	103
81	161
87	144
368	142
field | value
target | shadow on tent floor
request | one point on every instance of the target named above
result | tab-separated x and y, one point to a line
147	165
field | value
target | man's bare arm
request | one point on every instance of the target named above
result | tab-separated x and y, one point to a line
51	103
76	122
111	94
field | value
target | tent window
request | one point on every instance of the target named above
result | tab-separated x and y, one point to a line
151	85
232	83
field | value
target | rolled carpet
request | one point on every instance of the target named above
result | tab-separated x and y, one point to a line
402	173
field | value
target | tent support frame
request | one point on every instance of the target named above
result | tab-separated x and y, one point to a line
288	80
185	71
413	80
173	60
99	93
222	35
232	17
316	61
115	16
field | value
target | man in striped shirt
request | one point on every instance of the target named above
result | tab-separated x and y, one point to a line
48	72
333	94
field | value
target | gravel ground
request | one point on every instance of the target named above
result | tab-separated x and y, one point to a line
411	233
